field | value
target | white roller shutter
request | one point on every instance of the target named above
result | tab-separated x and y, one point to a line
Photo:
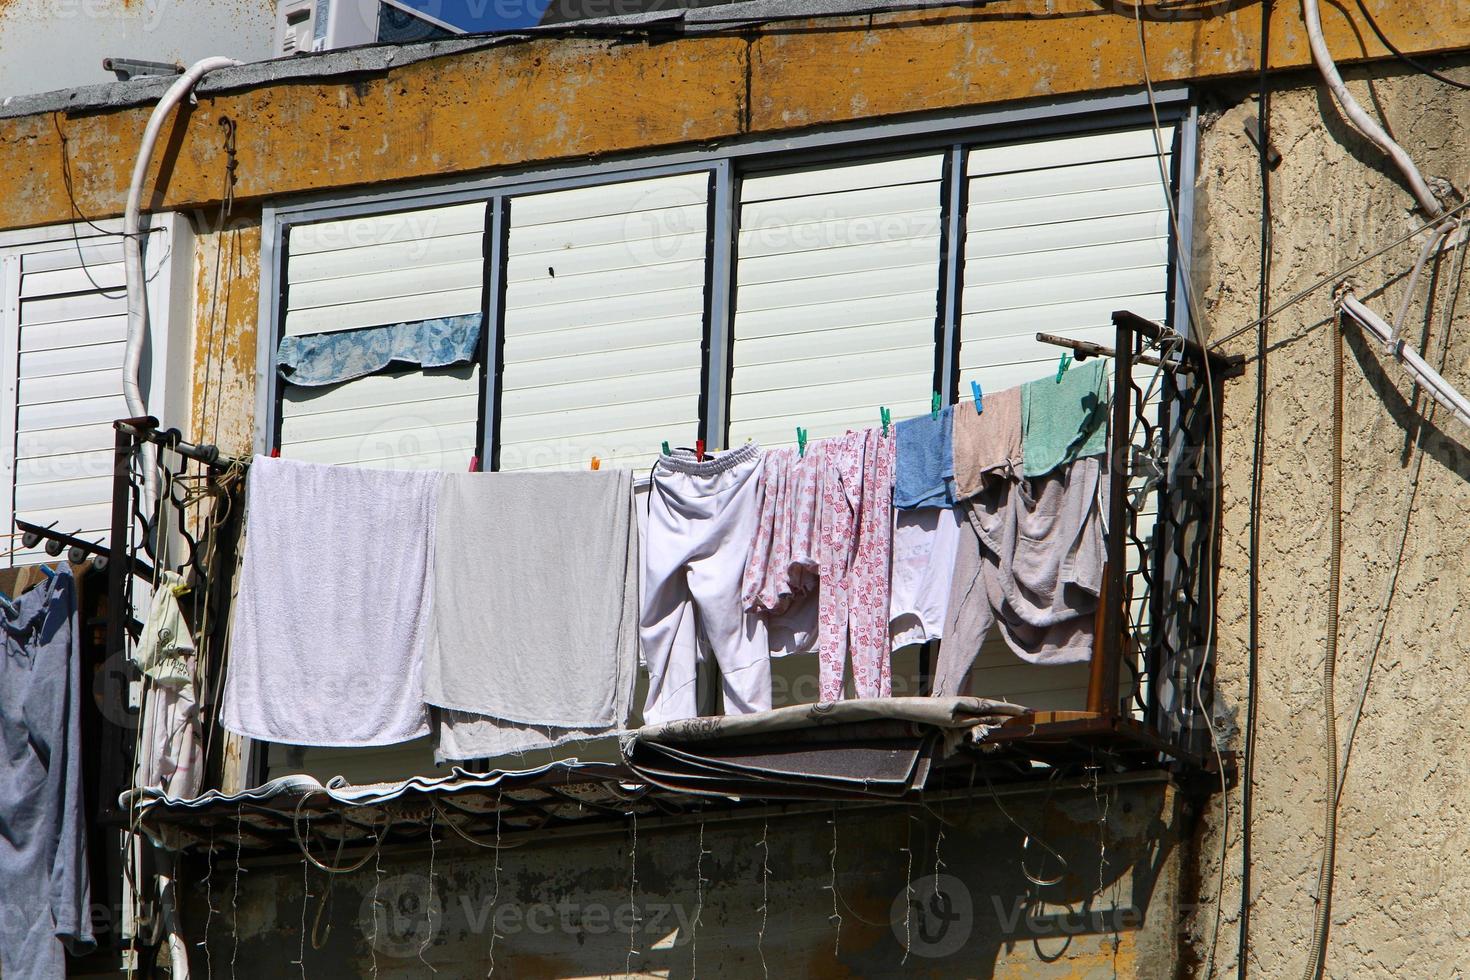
1059	233
375	271
603	329
837	282
65	327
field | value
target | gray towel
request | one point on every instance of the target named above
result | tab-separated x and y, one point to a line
535	621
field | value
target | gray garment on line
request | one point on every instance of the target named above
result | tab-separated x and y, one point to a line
1030	560
533	638
43	843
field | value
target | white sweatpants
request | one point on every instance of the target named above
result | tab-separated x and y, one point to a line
701	524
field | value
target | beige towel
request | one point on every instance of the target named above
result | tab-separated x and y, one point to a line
986	443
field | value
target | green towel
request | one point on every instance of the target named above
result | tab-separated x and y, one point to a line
1064	420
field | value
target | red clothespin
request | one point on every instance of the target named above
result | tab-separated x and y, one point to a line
474	464
699	450
596	463
276	453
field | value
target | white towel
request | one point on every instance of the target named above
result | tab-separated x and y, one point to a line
333	605
534	637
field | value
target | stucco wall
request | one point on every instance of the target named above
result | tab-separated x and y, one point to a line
560	905
1403	874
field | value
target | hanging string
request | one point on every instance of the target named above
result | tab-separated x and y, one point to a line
495	896
760	937
377	881
429	895
305	900
835	917
908	888
208	905
632	898
699	880
235	895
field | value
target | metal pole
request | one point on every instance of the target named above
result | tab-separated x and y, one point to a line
1115	595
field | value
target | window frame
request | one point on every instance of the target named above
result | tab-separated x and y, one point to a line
951	133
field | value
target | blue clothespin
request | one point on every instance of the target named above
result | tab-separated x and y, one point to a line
885	418
666	448
975	390
1062	365
50	572
934	407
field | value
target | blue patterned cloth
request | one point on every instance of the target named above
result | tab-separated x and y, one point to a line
330	358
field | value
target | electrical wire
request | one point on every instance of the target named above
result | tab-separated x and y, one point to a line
1336	276
1253	567
1406	59
1317	954
1210	548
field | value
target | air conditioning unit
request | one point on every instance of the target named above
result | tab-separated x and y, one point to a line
323	25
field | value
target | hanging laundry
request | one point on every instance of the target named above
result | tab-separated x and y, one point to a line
333	606
1066	419
1030	560
925	461
342	355
701	524
855	551
782	572
43	843
534	633
170	751
924	546
987	443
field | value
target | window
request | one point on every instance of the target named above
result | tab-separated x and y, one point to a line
733	299
63	328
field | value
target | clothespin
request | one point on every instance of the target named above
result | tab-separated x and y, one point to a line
49	571
699	450
8	605
885	417
276	453
934	407
596	463
474	464
1062	364
975	390
800	442
666	448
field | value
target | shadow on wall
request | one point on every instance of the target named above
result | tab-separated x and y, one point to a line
1091	883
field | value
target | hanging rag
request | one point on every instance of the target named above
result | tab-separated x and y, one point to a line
701	526
856	546
1030	560
44	885
925	461
333	607
987	443
342	355
1064	420
534	632
171	750
924	545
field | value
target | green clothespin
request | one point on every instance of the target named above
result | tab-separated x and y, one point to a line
934	407
800	442
883	414
1062	365
666	449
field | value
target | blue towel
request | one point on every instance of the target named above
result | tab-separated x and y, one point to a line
925	461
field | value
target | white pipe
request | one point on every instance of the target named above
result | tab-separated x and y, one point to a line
133	257
1359	117
1438	388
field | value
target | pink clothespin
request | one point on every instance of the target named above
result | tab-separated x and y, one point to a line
474	464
